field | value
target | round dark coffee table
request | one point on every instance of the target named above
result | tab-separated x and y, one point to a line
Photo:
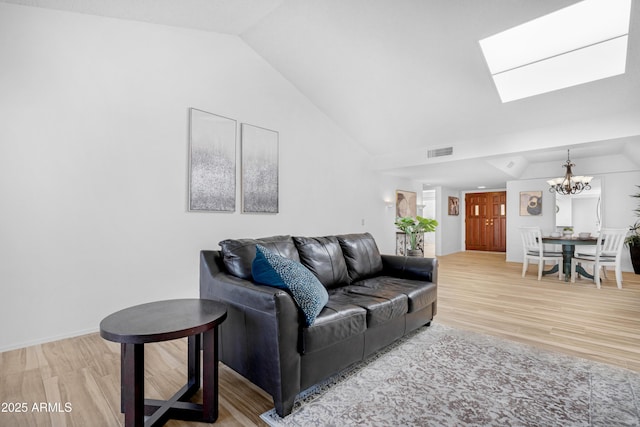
162	321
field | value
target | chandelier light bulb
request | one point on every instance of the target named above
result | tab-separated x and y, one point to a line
570	184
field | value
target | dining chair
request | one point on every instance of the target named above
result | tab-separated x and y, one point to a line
608	254
534	251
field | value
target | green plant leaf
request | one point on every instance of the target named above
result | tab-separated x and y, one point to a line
414	226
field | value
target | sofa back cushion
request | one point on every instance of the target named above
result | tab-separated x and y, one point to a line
361	255
238	254
323	256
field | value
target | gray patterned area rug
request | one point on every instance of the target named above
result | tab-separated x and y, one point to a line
441	376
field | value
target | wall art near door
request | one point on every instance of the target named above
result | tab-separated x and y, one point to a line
406	203
259	169
454	206
212	162
530	203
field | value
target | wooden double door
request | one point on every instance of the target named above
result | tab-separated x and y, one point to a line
486	221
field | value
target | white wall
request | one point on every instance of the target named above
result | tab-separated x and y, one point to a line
617	204
93	165
388	186
546	221
450	232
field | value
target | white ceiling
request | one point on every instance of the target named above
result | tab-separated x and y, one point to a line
221	16
405	76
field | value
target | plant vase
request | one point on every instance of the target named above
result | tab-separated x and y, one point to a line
414	252
634	251
633	239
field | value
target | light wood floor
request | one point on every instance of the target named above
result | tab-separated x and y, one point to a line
477	291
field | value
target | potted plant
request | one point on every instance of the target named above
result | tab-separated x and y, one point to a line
633	240
413	227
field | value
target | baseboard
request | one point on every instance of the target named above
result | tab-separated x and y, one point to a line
45	340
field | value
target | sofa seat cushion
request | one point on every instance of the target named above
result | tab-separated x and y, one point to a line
238	254
336	322
361	255
382	305
323	256
420	294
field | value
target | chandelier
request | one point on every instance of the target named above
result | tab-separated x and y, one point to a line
570	184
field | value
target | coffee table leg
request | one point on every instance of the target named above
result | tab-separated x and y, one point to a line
132	384
193	357
210	375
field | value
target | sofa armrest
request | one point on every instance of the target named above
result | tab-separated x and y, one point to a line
413	268
259	338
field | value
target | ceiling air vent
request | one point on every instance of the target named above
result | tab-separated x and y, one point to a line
439	152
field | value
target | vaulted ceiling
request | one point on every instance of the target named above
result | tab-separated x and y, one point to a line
403	77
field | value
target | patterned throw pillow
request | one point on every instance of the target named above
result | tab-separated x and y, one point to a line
274	270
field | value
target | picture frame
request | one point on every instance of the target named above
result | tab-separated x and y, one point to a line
212	162
530	203
453	206
259	152
406	204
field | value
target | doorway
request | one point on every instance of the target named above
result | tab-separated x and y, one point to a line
429	211
486	221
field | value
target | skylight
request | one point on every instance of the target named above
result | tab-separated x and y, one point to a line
581	43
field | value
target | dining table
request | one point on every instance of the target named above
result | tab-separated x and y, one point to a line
569	244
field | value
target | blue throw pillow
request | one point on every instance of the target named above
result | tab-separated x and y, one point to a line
274	270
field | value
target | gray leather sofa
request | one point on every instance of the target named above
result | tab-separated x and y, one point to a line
374	299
